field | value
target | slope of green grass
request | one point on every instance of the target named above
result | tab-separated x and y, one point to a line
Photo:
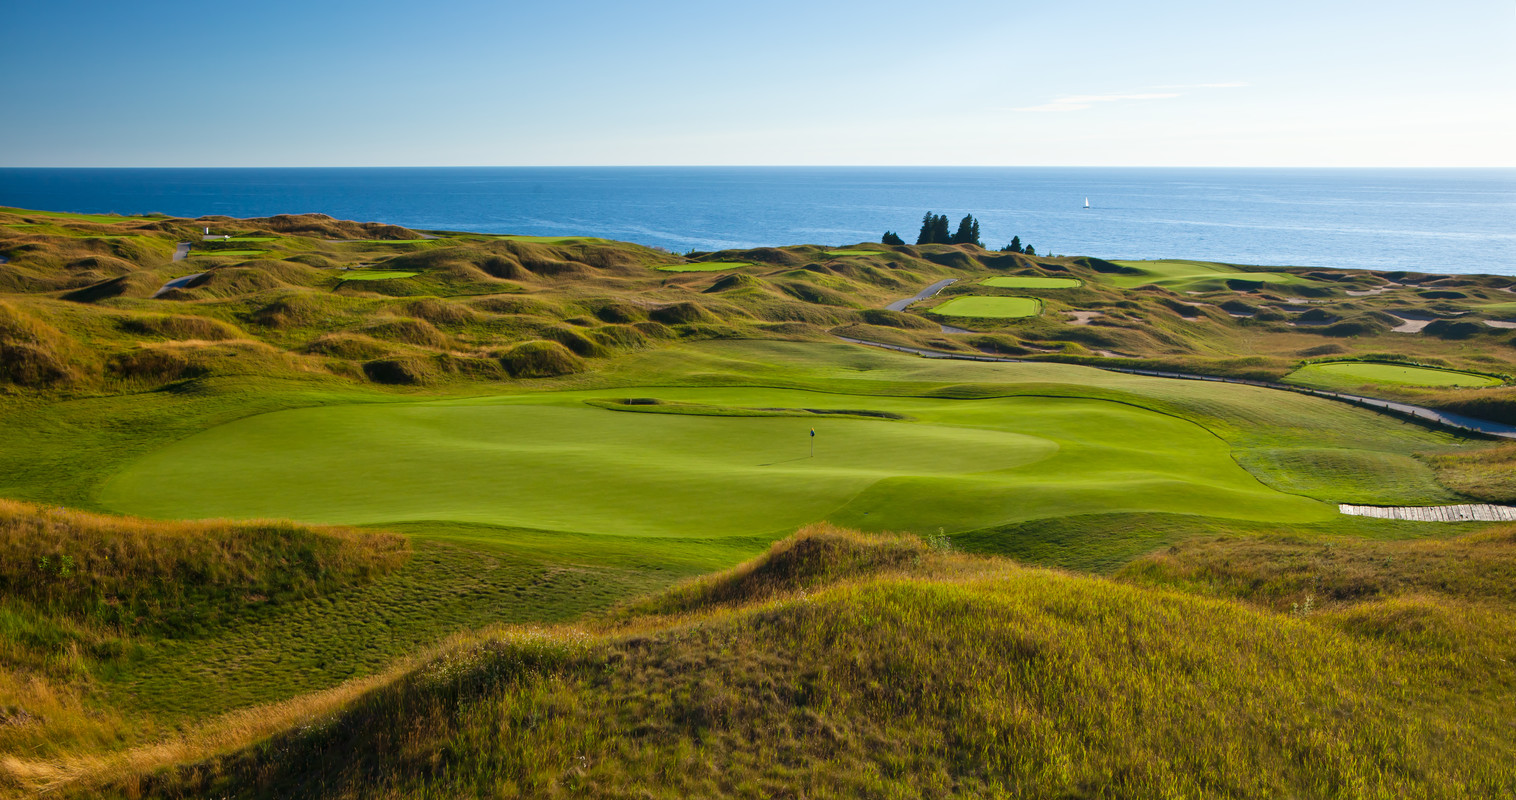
704	266
1182	276
553	462
990	307
1342	374
228	253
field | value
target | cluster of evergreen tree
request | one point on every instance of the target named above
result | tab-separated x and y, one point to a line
1016	247
934	230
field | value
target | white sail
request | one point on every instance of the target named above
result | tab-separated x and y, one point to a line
1086	202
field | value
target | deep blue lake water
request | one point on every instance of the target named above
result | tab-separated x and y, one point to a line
1428	220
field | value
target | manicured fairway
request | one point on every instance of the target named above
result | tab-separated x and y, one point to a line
375	274
704	266
228	253
552	462
999	307
1031	282
1195	275
1359	372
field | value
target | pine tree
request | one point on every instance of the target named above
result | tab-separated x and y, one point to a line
968	232
934	229
1030	251
1014	246
928	223
890	237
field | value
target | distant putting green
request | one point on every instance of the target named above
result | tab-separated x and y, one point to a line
376	274
1196	276
553	462
992	307
705	266
1031	282
253	239
1357	373
229	253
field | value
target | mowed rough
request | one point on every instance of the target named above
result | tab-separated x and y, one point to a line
552	462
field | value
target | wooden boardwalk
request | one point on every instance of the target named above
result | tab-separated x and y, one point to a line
1471	512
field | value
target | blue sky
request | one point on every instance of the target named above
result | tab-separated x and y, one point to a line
382	83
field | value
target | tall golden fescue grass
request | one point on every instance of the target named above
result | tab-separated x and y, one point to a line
937	675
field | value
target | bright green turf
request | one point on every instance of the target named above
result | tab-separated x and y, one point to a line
704	266
1195	275
375	274
252	239
551	462
544	239
1031	282
1497	308
1357	373
105	219
233	253
997	307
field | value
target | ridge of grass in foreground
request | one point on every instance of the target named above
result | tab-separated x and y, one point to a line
842	664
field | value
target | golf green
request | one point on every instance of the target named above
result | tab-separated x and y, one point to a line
375	274
1196	275
1031	282
1361	372
553	462
229	253
1001	307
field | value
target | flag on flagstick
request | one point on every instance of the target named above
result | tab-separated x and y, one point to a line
813	442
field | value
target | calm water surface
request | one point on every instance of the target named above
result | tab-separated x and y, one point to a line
1429	220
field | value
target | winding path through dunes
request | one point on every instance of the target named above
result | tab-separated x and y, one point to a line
1469	512
181	252
900	305
176	283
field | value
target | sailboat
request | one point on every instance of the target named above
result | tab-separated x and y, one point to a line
1086	203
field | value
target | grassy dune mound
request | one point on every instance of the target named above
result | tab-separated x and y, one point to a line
541	359
961	676
126	572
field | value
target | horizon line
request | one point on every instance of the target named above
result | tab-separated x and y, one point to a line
774	166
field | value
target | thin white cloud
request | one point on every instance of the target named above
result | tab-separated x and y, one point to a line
1079	102
1227	85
